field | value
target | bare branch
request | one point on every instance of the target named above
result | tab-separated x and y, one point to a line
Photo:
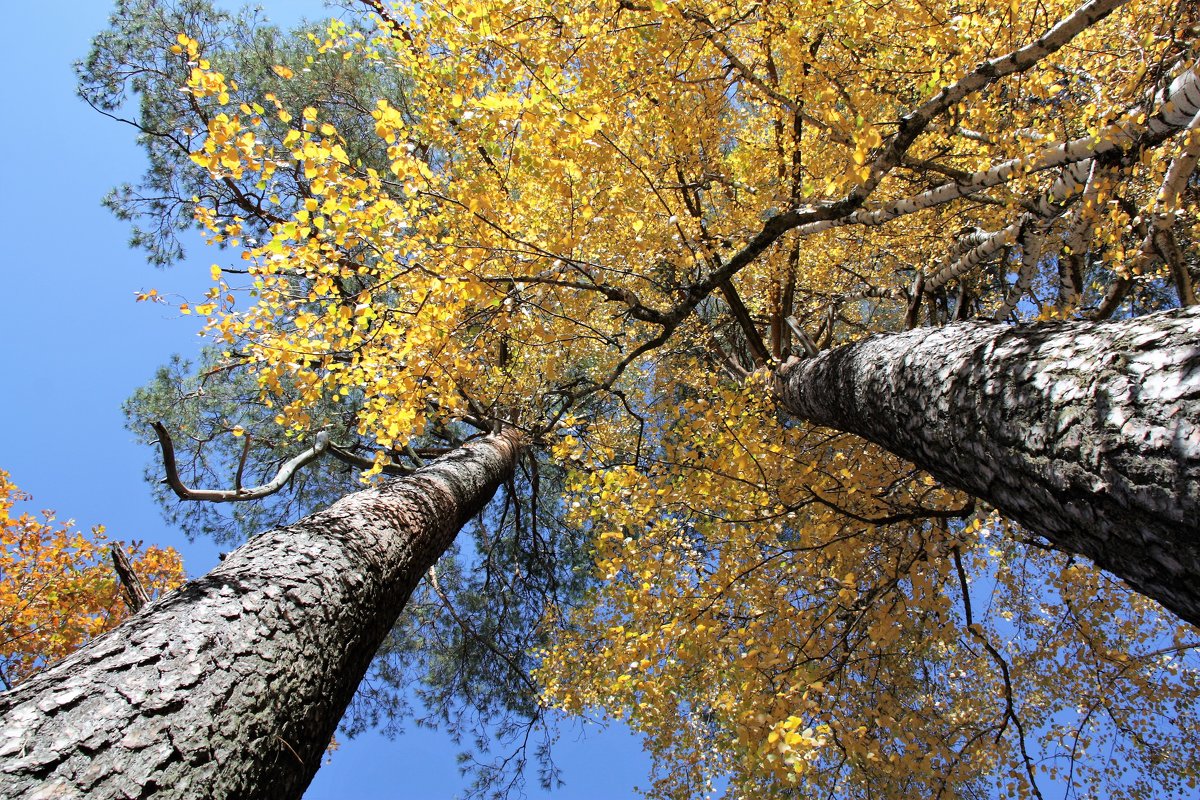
810	347
136	595
233	495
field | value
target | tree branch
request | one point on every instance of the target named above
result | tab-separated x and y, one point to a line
233	495
136	595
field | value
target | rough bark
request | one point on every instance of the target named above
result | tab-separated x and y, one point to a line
232	686
1086	433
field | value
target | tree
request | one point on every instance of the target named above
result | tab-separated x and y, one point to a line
58	588
232	686
466	635
606	259
1086	434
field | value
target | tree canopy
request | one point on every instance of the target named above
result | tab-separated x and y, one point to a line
609	224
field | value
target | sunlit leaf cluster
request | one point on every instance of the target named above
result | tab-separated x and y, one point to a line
769	625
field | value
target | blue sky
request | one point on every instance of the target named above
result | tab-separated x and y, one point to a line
76	344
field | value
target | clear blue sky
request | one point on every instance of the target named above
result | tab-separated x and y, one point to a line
76	344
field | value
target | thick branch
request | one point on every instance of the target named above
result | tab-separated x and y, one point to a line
1174	109
987	73
232	495
810	220
758	350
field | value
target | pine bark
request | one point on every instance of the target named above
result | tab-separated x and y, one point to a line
1086	433
232	686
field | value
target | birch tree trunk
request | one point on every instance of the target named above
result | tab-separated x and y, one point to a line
232	686
1086	433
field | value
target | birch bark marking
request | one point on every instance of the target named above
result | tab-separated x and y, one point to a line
232	686
1086	433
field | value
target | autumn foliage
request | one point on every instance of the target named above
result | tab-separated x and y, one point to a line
607	223
872	642
58	588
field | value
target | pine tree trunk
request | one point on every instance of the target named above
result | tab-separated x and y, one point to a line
1086	433
232	686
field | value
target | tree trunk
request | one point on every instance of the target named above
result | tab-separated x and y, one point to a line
232	686
1086	433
